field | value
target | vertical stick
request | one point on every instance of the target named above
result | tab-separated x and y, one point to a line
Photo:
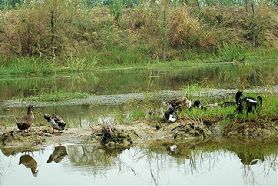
246	5
165	7
164	34
53	27
254	27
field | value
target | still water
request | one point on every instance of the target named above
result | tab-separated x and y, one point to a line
125	82
141	80
84	164
235	163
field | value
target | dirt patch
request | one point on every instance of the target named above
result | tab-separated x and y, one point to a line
118	136
13	138
185	131
40	136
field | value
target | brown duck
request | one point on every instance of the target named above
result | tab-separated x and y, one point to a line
25	122
178	103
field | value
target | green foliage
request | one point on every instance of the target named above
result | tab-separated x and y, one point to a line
191	89
183	29
257	30
116	9
232	53
81	64
9	4
26	65
118	56
269	109
270	105
209	113
120	33
56	96
33	65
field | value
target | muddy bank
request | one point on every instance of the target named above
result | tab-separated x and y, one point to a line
120	135
139	133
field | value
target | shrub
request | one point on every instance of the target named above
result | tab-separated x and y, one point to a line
183	29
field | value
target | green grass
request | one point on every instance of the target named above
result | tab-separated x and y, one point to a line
209	113
269	109
56	96
26	66
39	66
226	114
117	58
121	57
270	105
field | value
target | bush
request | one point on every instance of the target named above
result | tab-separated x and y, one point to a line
183	29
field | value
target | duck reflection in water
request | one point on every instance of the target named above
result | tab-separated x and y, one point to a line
29	163
58	154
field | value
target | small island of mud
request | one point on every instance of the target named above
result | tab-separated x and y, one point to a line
138	133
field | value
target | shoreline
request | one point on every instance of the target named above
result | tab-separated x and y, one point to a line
116	99
9	71
140	133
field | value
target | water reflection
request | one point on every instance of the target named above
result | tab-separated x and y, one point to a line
58	154
249	158
30	163
86	115
195	162
141	80
95	159
251	153
12	151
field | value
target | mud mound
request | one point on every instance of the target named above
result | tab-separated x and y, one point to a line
195	129
112	137
14	138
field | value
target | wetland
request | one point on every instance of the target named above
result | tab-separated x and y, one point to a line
141	151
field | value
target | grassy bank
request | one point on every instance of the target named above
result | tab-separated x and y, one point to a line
40	66
56	36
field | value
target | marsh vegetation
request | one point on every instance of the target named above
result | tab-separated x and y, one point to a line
109	67
100	34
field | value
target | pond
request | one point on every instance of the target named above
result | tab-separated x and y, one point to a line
215	163
112	87
70	164
225	76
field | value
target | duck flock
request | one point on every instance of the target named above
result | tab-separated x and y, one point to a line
24	123
242	103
